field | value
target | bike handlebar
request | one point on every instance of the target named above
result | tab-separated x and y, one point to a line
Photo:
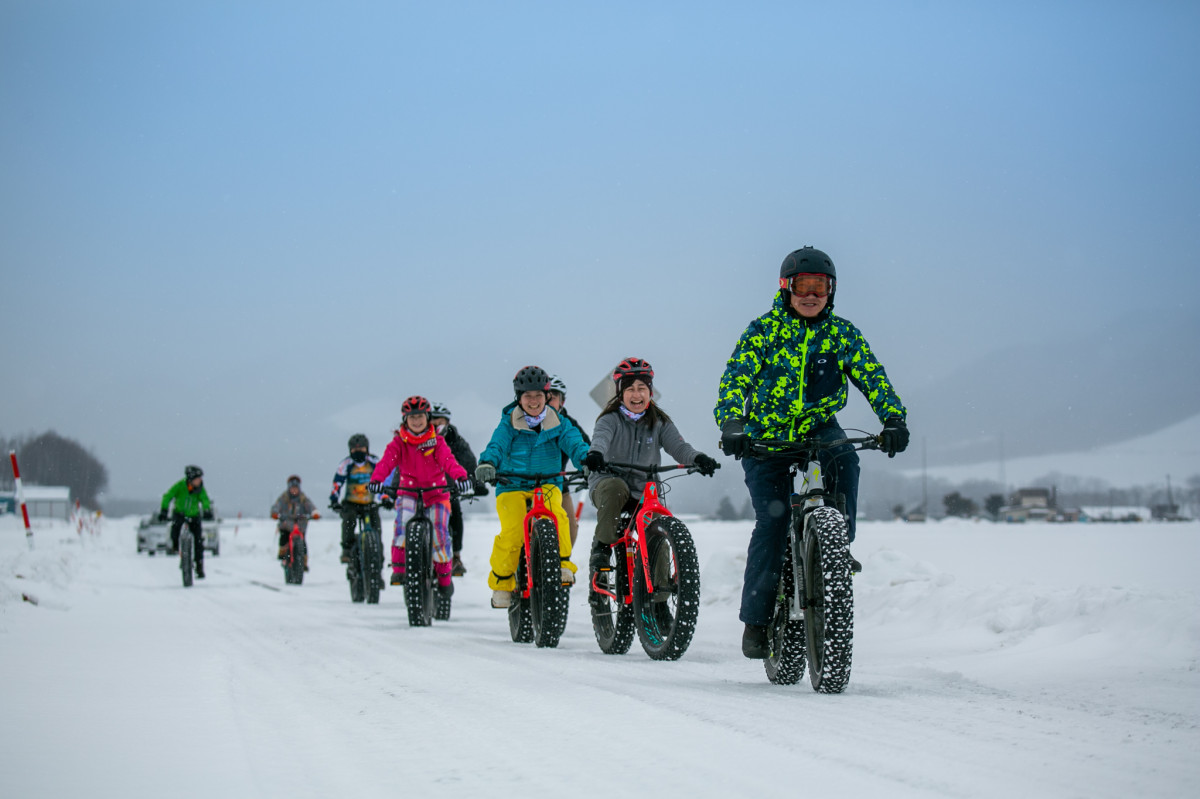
536	478
653	470
809	445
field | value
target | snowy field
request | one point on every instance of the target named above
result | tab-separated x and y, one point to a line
990	661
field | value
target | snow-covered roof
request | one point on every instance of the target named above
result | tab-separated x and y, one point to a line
43	493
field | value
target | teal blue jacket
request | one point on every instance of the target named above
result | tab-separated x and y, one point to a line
515	447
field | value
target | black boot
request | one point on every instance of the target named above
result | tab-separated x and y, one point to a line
855	566
199	570
601	557
754	642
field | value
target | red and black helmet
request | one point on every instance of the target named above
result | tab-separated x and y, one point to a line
415	404
531	378
634	369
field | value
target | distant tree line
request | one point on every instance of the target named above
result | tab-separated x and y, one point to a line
49	459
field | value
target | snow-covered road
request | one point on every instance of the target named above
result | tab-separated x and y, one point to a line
990	661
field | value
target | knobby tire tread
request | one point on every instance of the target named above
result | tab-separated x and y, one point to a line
829	624
665	628
548	601
613	621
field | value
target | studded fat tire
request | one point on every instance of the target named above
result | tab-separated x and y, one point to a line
187	563
829	613
548	600
665	628
612	619
371	563
787	651
354	574
520	620
418	572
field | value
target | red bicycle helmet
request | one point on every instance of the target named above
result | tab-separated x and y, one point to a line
415	404
634	368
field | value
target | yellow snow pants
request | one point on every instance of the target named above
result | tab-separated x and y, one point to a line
506	550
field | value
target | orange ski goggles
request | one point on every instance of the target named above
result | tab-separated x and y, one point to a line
807	283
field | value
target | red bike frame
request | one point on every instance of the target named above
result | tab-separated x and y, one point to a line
537	510
648	508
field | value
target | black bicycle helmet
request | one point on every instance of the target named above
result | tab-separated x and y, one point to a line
531	378
192	472
358	441
807	260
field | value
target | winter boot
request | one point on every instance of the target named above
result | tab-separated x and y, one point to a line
754	642
568	575
442	570
855	566
199	570
459	568
501	599
306	560
283	552
397	565
601	557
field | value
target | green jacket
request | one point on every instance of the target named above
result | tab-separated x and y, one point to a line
787	375
187	502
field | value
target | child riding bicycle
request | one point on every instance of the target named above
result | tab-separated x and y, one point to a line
631	429
420	458
353	473
530	439
293	509
191	503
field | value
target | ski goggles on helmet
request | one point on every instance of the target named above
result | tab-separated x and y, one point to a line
807	283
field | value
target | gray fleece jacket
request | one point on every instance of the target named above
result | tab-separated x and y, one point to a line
620	439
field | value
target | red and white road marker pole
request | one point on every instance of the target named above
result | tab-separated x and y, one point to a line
12	456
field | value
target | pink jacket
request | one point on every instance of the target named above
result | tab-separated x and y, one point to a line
426	463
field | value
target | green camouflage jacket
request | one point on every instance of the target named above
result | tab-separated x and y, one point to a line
787	376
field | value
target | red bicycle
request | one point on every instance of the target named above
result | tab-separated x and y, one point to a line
296	558
651	581
538	612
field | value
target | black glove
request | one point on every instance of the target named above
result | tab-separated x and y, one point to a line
594	460
375	486
334	504
481	490
465	487
387	502
894	437
485	472
207	515
162	515
733	440
705	465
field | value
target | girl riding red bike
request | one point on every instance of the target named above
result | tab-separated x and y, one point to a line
626	443
420	457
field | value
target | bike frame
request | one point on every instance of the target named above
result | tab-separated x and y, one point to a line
537	510
649	507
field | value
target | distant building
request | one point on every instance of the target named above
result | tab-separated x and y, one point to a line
1030	505
42	502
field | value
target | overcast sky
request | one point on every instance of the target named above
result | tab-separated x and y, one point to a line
233	234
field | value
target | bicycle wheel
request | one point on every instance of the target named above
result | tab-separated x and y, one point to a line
829	609
418	572
354	572
371	563
612	617
548	599
520	619
666	619
186	557
296	564
785	633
